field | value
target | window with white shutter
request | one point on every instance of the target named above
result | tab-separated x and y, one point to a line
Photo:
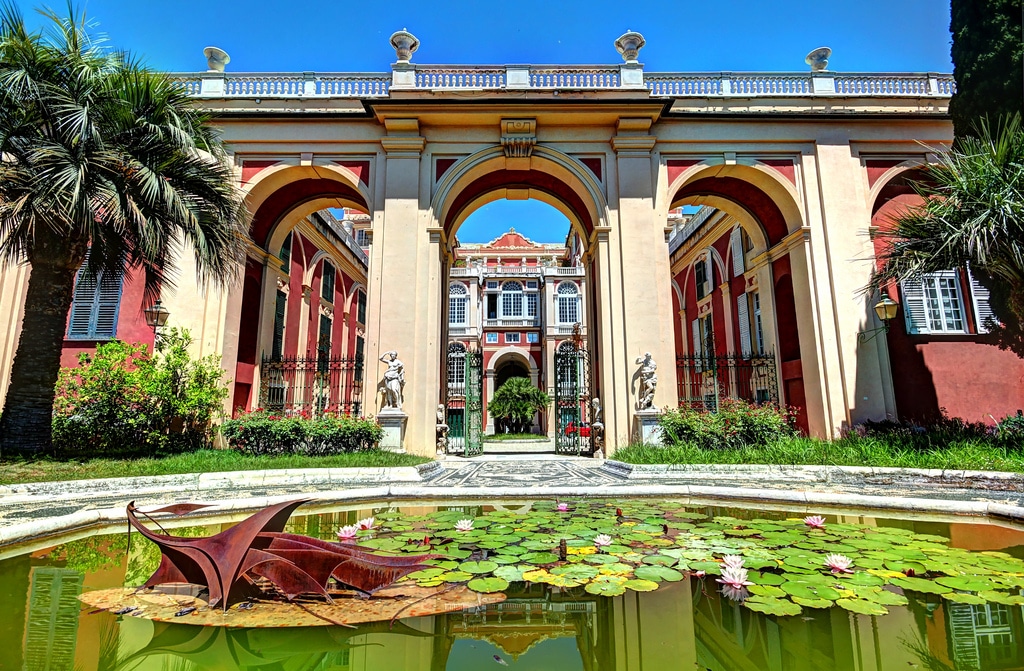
743	320
95	305
933	303
736	244
980	298
702	276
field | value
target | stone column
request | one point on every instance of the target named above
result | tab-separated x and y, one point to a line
646	292
404	288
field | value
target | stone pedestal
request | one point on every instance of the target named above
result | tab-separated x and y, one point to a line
645	427
393	422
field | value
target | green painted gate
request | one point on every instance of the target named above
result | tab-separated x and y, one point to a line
464	407
572	400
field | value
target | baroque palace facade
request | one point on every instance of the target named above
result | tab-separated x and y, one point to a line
721	236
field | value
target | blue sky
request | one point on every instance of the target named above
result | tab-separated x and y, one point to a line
682	35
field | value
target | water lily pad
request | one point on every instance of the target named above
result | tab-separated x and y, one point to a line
455	576
809	591
605	588
759	578
638	585
539	558
1002	597
862	606
661	559
576	571
967	583
510	573
657	573
426	574
488	585
964	597
813	603
767	590
921	585
478	567
772	606
600	559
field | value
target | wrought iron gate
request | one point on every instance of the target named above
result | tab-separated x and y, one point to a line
464	409
572	400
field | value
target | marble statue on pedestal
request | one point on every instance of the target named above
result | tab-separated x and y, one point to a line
648	381
393	383
442	432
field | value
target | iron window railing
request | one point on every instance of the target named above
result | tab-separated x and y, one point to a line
704	381
312	384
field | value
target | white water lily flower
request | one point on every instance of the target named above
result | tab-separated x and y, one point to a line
464	525
347	532
732	561
839	563
735	593
815	521
734	577
602	539
366	524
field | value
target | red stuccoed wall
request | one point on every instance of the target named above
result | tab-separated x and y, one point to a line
131	322
963	374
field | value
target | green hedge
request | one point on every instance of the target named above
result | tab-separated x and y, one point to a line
262	432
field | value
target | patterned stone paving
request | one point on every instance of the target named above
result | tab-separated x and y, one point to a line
522	473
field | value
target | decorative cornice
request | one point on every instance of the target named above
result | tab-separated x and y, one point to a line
402	146
633	145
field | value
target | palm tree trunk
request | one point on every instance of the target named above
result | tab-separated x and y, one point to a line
27	421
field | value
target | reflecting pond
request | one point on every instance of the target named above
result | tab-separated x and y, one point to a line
684	623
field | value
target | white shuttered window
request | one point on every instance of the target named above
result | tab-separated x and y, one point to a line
743	320
95	305
933	304
736	243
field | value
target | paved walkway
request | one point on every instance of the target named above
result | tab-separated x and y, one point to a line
33	510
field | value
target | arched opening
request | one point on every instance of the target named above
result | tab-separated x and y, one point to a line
736	335
508	370
304	303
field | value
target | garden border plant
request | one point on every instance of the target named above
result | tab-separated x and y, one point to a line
262	432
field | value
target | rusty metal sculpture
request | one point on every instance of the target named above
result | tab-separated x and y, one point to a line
228	563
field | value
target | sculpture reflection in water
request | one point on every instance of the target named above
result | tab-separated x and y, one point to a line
229	563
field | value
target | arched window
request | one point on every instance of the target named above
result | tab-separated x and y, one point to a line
327	283
458	295
568	299
511	300
456	365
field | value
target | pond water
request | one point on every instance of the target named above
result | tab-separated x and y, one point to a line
684	622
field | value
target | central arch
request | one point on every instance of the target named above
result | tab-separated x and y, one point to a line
523	345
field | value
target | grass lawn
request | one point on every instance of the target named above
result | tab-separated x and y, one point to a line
970	455
514	436
203	461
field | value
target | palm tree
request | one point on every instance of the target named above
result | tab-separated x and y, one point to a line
972	213
99	155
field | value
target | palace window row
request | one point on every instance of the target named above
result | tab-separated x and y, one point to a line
936	303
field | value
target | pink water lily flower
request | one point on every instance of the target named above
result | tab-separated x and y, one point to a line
366	523
734	577
700	574
602	539
464	525
732	561
839	563
562	507
347	532
815	521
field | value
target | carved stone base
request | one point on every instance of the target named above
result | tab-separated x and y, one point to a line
393	422
645	427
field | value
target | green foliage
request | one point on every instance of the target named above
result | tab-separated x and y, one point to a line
516	402
100	155
987	58
1011	429
265	433
124	401
736	424
972	213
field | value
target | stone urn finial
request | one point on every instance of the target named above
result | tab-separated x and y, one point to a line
216	59
405	43
629	46
818	59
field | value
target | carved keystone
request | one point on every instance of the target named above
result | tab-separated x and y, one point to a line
518	137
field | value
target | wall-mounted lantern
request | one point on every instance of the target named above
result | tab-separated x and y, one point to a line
885	310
